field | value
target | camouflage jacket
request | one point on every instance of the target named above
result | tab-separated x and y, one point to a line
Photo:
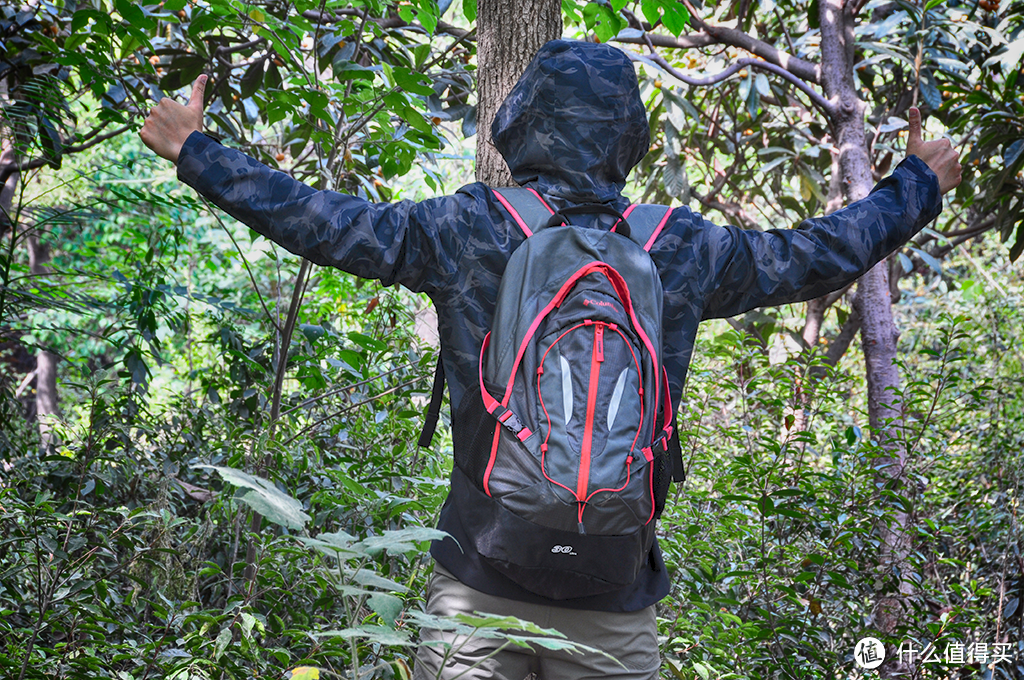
572	128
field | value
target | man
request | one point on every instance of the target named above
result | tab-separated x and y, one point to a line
571	129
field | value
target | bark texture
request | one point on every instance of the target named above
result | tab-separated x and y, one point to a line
509	33
873	302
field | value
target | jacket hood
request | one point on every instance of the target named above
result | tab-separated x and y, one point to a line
574	125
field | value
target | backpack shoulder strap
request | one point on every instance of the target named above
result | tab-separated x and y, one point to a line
646	222
530	211
527	208
434	410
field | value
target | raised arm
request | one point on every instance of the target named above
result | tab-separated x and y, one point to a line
415	244
748	269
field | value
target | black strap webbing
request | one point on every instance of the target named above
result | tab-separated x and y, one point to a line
434	410
675	454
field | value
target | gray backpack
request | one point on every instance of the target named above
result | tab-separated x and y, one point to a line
565	440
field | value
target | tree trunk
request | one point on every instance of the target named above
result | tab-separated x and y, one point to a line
873	303
46	403
8	161
47	406
509	33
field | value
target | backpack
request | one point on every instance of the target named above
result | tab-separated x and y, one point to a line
564	442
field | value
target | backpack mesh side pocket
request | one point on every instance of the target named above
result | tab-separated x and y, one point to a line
472	435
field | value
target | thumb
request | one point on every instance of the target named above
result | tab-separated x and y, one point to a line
914	134
198	88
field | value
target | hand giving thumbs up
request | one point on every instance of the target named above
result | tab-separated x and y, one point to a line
169	123
938	154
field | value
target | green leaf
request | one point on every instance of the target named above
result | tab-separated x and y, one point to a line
251	79
366	342
379	634
133	15
401	541
762	85
222	642
1018	246
248	623
428	15
388	607
929	260
651	10
262	496
469	9
312	332
675	18
484	620
410	81
676	182
53	148
366	577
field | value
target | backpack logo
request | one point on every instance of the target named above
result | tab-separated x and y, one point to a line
563	549
600	303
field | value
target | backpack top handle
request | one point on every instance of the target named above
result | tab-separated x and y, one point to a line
620	227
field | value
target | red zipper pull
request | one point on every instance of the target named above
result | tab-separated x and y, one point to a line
599	342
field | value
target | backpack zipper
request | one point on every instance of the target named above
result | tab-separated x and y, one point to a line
596	358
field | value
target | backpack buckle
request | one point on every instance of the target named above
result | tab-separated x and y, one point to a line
666	434
512	423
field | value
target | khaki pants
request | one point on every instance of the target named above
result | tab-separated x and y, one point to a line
630	637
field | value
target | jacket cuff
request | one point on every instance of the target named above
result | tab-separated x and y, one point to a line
925	192
190	159
920	169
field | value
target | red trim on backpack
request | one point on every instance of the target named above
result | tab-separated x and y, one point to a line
547	416
667	408
541	199
596	357
490	403
514	214
490	461
657	230
621	289
544	445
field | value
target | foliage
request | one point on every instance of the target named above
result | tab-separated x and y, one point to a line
775	542
195	522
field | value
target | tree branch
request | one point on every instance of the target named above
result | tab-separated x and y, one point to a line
803	69
7	170
807	71
816	98
222	50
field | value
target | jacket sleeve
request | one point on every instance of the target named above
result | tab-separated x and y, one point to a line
415	244
744	269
